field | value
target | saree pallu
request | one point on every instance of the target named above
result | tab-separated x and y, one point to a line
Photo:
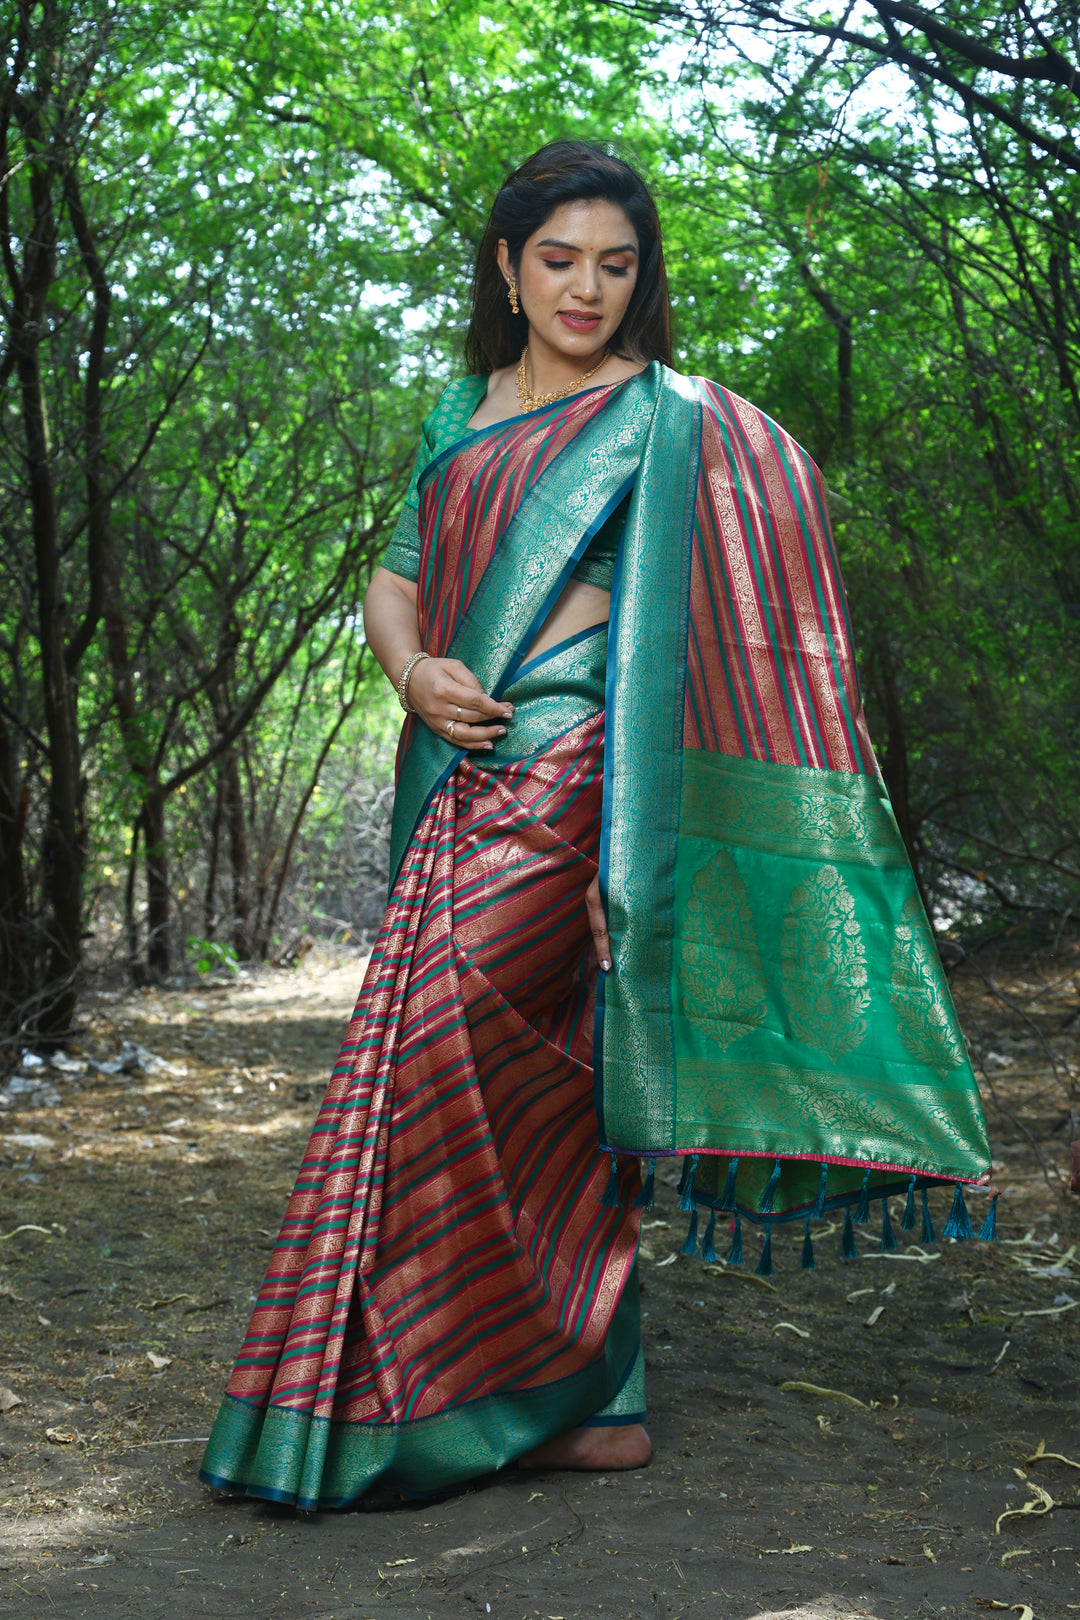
455	1278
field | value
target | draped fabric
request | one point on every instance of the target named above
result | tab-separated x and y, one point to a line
454	1280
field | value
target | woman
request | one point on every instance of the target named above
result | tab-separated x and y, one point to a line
612	611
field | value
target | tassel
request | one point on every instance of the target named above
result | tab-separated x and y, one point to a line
848	1251
862	1208
686	1185
988	1229
807	1247
708	1246
690	1240
727	1199
764	1267
610	1199
819	1202
766	1205
908	1222
734	1254
928	1233
644	1199
888	1236
958	1224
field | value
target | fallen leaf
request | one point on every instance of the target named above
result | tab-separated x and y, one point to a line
26	1227
1017	1552
45	1321
1040	1454
159	1304
1024	1610
792	1328
670	1261
875	1315
796	1386
159	1363
101	1558
1040	1503
537	1496
9	1293
928	1552
396	1563
8	1399
1050	1310
61	1437
858	1294
823	1423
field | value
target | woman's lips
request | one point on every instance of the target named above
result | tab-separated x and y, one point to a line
578	321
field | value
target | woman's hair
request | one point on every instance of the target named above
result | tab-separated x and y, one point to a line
564	172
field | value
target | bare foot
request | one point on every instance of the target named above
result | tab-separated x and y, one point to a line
618	1445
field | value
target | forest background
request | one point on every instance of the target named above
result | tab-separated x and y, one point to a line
237	245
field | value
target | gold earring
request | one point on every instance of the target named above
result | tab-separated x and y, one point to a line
514	307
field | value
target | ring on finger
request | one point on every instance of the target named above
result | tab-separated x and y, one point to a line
450	727
457	706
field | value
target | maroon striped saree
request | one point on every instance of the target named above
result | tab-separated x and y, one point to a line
454	1280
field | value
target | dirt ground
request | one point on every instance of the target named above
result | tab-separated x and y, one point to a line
135	1216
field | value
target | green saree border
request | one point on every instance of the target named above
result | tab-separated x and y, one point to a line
284	1456
634	1055
542	544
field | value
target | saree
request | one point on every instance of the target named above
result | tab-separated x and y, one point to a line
455	1278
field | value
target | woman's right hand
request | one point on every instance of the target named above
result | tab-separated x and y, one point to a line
444	692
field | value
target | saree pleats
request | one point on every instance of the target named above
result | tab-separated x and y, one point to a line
446	1259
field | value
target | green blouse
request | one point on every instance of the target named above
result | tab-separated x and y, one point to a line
447	424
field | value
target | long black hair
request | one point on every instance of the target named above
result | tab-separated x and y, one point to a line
567	171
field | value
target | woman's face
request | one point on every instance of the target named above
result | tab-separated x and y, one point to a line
576	275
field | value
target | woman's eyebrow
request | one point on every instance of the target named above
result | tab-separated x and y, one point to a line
571	247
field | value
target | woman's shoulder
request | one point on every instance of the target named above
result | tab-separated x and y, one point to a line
456	404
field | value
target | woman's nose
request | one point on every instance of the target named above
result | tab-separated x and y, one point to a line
587	282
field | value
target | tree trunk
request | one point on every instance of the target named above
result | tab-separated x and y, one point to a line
236	825
158	943
64	853
16	955
894	765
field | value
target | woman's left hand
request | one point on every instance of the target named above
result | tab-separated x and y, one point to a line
598	924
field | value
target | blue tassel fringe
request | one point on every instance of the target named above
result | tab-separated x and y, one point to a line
690	1240
958	1224
862	1209
734	1254
988	1229
708	1244
819	1202
644	1199
727	1199
928	1233
769	1194
889	1244
807	1262
908	1222
848	1251
764	1267
686	1186
610	1199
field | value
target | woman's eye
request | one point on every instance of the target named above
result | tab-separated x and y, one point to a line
557	264
617	269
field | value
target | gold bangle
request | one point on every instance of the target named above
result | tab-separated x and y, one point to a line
405	677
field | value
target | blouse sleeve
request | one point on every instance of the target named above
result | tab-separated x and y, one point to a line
447	422
402	555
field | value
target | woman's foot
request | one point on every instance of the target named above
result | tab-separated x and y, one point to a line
617	1445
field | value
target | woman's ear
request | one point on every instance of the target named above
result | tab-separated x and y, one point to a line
502	259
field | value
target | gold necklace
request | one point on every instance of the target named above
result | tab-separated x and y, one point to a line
532	402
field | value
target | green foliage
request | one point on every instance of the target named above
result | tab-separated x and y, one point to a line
283	204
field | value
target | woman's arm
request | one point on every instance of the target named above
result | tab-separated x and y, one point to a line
441	690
